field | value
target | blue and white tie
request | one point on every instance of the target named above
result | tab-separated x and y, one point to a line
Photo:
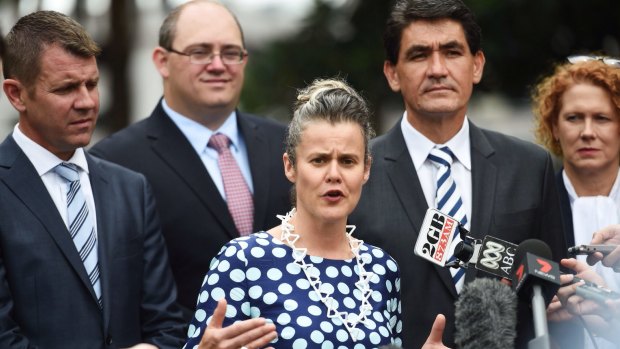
81	225
448	200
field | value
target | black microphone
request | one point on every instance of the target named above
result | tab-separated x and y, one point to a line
536	279
485	315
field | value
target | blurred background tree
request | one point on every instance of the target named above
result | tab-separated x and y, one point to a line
521	41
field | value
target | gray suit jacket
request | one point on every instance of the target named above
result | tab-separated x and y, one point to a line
196	222
514	199
46	299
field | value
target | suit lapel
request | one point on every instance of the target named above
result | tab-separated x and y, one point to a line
484	178
25	182
406	184
171	145
257	146
105	231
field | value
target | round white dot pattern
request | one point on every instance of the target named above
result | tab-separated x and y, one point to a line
258	277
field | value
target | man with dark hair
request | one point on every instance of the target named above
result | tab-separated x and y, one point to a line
435	157
207	194
83	262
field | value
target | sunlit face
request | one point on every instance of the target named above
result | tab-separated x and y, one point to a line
435	71
330	170
60	110
199	90
588	129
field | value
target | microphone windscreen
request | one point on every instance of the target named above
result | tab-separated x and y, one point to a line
485	315
533	246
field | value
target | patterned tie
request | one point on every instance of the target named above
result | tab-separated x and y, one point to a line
81	225
238	196
448	200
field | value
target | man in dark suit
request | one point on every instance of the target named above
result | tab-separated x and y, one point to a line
504	186
201	58
82	260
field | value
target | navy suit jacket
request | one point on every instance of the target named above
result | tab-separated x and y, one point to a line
195	219
514	199
46	299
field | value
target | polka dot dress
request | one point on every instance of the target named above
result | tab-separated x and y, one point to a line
258	277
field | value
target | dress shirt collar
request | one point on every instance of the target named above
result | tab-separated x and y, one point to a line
197	134
420	147
42	159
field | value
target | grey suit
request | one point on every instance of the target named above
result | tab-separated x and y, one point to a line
195	219
46	298
514	198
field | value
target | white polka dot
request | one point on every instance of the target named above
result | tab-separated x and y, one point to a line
290	305
254	312
262	242
191	330
371	325
303	284
377	316
284	319
357	293
217	293
391	265
346	270
293	268
376	296
223	266
237	294
359	346
316	260
388	285
255	292
287	332
342	335
384	332
374	338
343	288
213	279
204	296
253	274
241	256
314	310
317	337
285	289
326	327
270	298
230	251
378	269
243	244
237	275
327	345
327	288
300	343
313	296
349	302
231	311
332	272
274	274
377	253
257	252
245	308
304	321
278	252
367	258
314	272
201	315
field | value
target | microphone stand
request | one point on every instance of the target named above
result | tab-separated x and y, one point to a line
541	341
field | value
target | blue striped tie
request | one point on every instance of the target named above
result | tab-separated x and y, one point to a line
449	200
80	225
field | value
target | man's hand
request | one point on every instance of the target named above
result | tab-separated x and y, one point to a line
251	334
609	235
434	338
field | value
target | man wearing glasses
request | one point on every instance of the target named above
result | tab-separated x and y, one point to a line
216	172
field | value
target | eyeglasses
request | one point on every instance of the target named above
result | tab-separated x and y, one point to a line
614	62
229	56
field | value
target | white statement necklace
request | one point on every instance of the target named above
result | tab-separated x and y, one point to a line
349	320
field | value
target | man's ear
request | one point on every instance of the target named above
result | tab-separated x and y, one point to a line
389	70
15	93
160	59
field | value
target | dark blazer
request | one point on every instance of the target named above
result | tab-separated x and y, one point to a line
46	299
195	219
514	198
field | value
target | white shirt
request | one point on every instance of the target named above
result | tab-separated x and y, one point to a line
198	136
420	147
44	163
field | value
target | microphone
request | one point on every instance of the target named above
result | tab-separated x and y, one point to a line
536	278
485	315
